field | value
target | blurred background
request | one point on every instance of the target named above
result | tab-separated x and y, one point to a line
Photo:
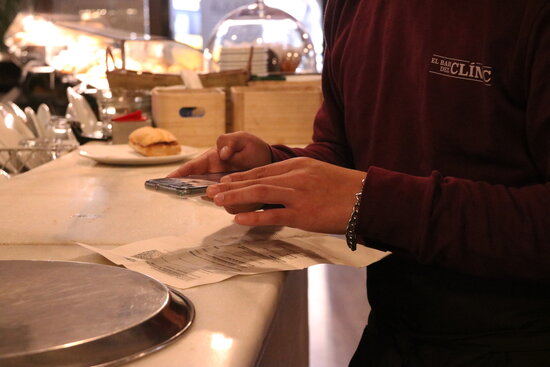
161	36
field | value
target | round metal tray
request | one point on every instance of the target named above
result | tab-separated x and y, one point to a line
56	313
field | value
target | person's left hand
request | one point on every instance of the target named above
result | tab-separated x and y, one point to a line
316	196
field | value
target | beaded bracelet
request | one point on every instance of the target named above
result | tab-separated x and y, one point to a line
351	229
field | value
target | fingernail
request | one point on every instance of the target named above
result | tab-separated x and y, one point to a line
225	179
225	153
212	190
242	218
218	198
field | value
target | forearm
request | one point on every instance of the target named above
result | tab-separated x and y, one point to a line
326	152
473	227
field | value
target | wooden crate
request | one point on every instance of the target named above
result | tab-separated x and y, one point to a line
129	79
195	116
280	114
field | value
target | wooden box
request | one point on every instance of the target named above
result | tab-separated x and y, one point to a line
195	116
129	79
281	113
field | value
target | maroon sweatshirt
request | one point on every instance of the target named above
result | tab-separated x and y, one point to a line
446	104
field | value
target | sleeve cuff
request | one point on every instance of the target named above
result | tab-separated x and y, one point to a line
395	208
281	152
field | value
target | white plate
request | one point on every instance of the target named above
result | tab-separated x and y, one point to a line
241	58
26	128
123	154
31	117
13	122
9	138
243	50
83	113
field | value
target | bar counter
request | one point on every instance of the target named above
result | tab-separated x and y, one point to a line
258	320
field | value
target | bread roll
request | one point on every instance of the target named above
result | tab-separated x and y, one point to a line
154	142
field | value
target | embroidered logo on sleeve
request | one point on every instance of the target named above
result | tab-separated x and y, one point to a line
461	69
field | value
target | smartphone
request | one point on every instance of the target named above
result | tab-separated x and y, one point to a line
185	186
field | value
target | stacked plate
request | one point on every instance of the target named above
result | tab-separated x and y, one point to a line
238	58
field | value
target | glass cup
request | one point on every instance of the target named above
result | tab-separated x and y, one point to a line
35	152
59	130
114	103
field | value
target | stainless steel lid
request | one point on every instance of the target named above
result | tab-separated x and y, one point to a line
55	313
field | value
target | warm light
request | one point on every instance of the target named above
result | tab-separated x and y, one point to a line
41	32
83	55
220	343
9	120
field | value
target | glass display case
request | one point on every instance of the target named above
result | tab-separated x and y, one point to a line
73	39
255	34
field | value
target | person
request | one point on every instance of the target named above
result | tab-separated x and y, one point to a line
438	113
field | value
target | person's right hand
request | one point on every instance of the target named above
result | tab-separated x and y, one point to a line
233	152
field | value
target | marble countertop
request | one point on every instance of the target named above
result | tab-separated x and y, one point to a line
44	211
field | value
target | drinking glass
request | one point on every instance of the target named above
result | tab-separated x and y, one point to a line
117	102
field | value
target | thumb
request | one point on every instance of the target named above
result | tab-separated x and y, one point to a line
229	144
225	153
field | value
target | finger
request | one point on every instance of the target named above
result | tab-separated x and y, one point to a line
243	208
225	153
189	168
230	144
274	217
269	170
207	162
237	208
265	194
285	180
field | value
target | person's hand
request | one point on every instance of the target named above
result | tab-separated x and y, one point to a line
233	152
316	196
